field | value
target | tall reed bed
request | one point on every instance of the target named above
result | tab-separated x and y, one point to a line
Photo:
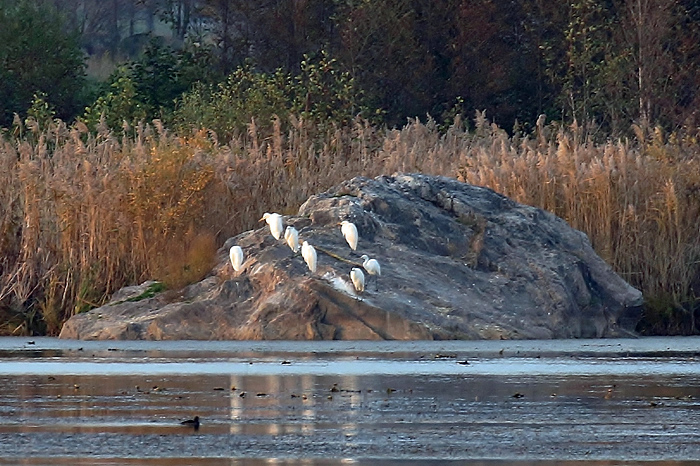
83	214
639	204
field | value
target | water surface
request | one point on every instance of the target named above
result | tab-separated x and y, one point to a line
593	402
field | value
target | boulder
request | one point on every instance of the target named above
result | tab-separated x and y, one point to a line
457	262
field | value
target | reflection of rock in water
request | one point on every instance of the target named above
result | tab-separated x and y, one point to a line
459	262
236	404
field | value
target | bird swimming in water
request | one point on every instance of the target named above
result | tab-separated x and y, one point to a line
275	223
291	236
372	267
194	423
309	254
236	255
349	231
358	279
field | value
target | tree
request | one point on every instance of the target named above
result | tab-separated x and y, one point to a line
148	87
586	39
381	47
37	54
229	25
663	39
281	33
492	58
178	13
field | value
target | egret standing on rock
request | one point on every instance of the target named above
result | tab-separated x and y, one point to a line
372	267
291	236
309	254
275	222
358	279
349	231
236	255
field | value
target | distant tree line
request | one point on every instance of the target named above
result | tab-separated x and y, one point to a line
602	63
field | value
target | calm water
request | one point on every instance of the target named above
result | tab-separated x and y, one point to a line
592	402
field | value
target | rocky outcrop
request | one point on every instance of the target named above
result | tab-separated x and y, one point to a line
458	262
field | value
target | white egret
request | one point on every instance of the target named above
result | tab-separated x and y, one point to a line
372	267
291	236
349	231
236	255
309	254
275	222
358	279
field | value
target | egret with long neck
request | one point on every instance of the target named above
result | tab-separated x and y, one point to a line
275	223
372	267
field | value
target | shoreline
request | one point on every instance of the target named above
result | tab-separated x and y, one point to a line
676	346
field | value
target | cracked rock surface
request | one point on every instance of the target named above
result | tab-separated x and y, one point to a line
457	262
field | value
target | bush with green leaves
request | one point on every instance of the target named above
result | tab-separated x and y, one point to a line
118	104
148	88
320	93
228	107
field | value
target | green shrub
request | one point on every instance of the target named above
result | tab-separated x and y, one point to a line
147	89
320	94
229	107
149	292
119	104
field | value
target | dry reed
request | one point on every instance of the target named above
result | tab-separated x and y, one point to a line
83	214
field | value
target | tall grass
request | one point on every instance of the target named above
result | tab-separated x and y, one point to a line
83	214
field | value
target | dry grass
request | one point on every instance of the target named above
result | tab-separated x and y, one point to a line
82	215
638	204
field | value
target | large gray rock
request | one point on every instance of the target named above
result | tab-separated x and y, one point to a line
458	262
